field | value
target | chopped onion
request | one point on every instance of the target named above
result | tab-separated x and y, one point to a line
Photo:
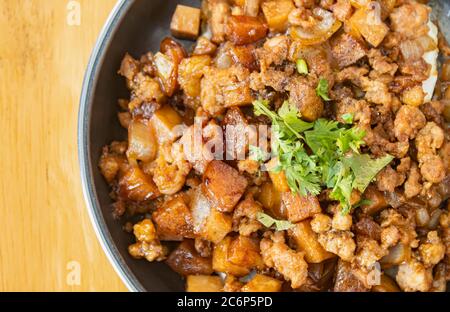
397	255
142	142
422	216
411	50
323	30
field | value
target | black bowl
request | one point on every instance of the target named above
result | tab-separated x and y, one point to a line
135	26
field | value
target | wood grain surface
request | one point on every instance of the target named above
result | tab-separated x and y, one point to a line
47	242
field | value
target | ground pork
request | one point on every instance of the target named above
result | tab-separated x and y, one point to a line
408	121
413	276
291	264
340	243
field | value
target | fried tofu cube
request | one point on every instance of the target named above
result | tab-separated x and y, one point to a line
223	185
165	121
203	283
307	241
221	261
277	13
262	283
299	207
364	21
185	22
209	223
244	251
347	50
173	220
185	260
135	185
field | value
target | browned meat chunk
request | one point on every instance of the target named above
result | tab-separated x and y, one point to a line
223	185
222	88
129	67
410	19
347	50
245	216
173	220
367	227
243	29
299	207
305	99
186	261
220	11
346	281
185	22
388	179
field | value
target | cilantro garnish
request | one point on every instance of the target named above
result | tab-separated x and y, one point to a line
268	221
321	154
322	89
348	118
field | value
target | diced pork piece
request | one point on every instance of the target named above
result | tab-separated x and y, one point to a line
209	223
185	260
262	283
410	19
238	134
347	50
220	11
367	227
341	222
129	67
190	74
221	261
173	220
288	262
305	99
377	201
251	7
413	276
185	22
244	251
137	186
275	51
243	29
408	121
222	88
346	281
299	207
204	47
223	185
277	13
307	242
368	23
342	9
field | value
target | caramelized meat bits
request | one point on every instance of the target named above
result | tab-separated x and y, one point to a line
333	172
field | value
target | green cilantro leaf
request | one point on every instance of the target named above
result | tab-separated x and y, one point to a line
302	67
257	154
365	168
322	89
268	221
348	118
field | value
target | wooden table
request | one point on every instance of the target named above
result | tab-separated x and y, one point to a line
47	242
